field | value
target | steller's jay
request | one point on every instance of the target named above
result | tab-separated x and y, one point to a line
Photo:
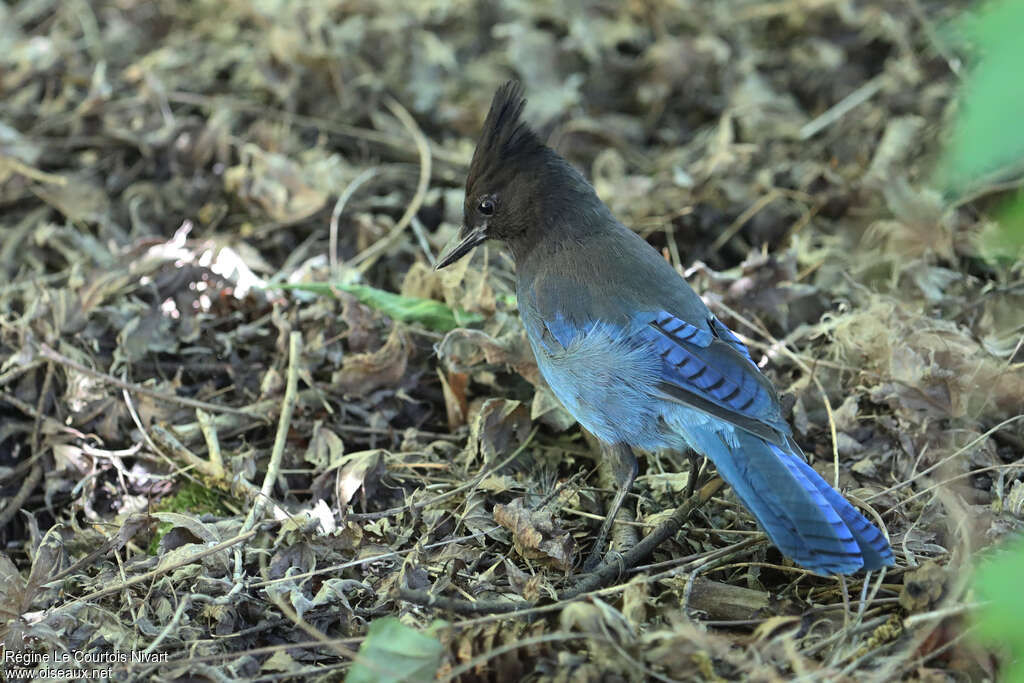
633	353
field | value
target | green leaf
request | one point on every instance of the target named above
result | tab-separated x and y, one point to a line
1004	240
396	653
999	621
431	314
987	139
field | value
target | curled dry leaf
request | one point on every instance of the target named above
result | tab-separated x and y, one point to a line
275	184
325	448
598	617
497	428
79	199
456	405
359	321
362	373
535	535
358	471
923	587
549	410
463	349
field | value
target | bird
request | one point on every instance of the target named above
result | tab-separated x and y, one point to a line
634	354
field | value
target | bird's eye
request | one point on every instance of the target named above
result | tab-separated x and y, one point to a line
486	206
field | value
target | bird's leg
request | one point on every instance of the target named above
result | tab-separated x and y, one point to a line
691	482
623	469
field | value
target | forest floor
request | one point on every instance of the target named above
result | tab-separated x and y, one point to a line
245	423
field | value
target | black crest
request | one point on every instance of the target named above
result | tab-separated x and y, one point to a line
504	136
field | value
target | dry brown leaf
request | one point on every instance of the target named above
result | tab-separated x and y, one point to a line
276	184
325	448
497	428
463	349
358	471
929	366
79	199
535	535
362	373
923	587
635	599
361	330
456	405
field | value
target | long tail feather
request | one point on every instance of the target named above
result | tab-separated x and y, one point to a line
805	517
873	546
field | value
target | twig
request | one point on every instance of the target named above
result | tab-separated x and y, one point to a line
50	354
30	482
963	475
768	10
336	569
365	260
24	491
944	613
192	658
331	126
164	440
228	422
24	284
742	219
623	532
40	407
835	639
843	107
163	569
421	237
287	408
24	169
472	483
212	442
915	664
832	431
339	206
18	370
784	348
849	629
172	625
125	533
515	645
50	422
134	414
19	471
606	572
460	606
314	633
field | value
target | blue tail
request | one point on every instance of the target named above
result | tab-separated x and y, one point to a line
805	517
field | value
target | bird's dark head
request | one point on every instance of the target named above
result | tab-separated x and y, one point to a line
505	184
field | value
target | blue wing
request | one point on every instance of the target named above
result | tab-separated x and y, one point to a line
703	366
710	369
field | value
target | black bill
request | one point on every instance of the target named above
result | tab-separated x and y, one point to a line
468	243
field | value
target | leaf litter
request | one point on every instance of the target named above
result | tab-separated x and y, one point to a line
188	186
